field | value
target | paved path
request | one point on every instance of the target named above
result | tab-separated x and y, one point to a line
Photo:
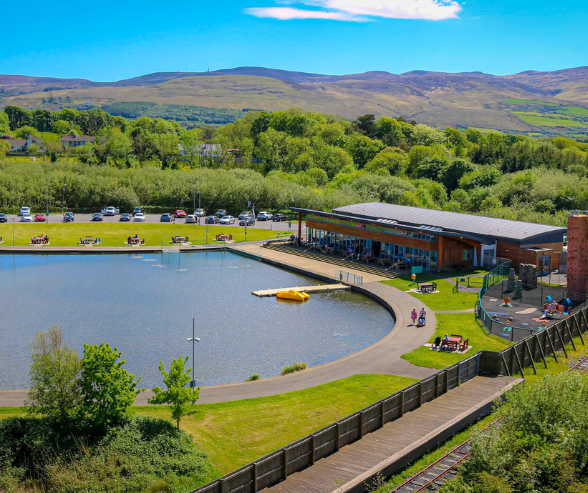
469	310
382	357
354	464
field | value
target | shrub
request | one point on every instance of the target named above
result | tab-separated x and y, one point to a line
253	377
294	368
144	454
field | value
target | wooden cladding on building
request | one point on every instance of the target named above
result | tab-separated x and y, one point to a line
373	235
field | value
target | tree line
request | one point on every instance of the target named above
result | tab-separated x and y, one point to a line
330	161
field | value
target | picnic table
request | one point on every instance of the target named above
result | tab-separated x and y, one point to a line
224	237
180	239
133	240
455	343
427	287
38	240
89	240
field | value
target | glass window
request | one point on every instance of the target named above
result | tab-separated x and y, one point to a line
468	255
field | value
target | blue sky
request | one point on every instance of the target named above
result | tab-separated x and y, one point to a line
115	40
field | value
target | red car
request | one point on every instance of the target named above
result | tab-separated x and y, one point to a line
40	217
180	213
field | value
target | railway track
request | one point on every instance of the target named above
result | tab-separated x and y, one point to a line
432	477
581	366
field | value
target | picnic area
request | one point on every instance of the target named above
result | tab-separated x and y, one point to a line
112	234
38	240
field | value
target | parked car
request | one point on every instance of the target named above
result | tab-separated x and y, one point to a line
139	217
247	221
68	217
220	213
125	216
97	216
200	213
181	213
3	218
138	210
165	218
245	214
110	211
264	216
24	210
212	220
279	217
40	217
227	220
191	219
26	218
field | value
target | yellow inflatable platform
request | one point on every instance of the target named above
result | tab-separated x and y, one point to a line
292	295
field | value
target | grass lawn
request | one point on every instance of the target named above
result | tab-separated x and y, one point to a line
236	433
115	234
464	324
446	299
573	111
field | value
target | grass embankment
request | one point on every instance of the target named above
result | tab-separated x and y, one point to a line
115	234
464	324
544	121
238	432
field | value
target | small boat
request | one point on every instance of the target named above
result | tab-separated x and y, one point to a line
293	295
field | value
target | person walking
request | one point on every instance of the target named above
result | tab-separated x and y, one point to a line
413	315
423	316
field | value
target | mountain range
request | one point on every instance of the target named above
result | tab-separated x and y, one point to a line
527	102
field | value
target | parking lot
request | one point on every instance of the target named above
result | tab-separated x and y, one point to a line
155	218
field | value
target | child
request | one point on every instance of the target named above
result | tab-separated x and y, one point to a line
423	316
413	315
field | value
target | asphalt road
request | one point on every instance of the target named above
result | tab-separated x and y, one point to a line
154	218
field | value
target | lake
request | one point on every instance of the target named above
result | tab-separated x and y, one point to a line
144	304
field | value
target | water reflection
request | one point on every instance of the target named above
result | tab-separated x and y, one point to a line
144	305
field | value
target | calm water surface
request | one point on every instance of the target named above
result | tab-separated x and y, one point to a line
144	305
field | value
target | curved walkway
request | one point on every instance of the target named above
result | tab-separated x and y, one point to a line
382	357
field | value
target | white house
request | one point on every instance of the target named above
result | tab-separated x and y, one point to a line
22	145
71	141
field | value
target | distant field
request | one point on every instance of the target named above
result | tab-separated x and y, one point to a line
577	111
486	130
527	101
543	121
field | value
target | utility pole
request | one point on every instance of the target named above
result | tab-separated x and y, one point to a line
194	340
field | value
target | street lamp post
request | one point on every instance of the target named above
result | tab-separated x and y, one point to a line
62	198
194	340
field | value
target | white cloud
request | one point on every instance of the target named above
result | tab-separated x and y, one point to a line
362	10
288	13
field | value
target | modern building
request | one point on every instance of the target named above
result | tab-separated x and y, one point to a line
433	239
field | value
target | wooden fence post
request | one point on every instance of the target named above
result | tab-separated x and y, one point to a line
337	436
381	414
531	355
579	327
401	403
285	459
570	334
459	373
563	345
436	385
255	477
312	447
505	364
420	394
446	382
519	362
552	345
541	349
360	424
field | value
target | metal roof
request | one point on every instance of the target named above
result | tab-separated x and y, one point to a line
438	221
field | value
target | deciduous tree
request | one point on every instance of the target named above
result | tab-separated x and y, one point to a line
108	389
181	399
55	376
